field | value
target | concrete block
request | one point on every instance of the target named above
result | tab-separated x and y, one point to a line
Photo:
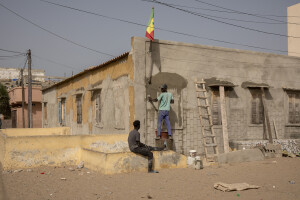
241	156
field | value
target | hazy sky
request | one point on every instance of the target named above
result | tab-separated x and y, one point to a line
59	57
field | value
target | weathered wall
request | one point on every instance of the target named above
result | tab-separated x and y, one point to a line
108	154
115	80
44	147
36	131
293	30
178	64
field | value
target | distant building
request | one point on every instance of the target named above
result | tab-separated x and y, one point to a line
15	95
293	14
10	77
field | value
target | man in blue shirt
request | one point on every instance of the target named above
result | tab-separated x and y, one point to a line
165	98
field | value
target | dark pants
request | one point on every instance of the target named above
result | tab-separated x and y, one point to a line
146	151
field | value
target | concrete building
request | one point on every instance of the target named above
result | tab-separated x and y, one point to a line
15	101
293	19
10	77
109	97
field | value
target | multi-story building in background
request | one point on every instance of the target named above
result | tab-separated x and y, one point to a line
293	19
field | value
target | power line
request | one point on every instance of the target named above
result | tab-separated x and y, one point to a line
226	18
219	21
239	12
166	30
21	54
51	61
11	51
52	33
232	12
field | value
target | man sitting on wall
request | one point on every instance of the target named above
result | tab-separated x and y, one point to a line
165	98
137	147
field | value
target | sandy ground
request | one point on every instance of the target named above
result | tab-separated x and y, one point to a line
273	175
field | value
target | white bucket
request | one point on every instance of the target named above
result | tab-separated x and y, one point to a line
193	153
198	163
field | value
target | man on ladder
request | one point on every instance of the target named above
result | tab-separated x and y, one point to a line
165	98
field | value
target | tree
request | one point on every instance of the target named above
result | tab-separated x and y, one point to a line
4	102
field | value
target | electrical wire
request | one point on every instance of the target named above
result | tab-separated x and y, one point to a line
167	30
10	51
231	12
226	18
219	21
239	12
51	61
52	33
21	54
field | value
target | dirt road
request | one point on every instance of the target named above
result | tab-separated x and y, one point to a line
273	175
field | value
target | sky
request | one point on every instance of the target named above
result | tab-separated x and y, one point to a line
65	41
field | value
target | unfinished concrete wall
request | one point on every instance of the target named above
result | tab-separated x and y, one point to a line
178	64
110	83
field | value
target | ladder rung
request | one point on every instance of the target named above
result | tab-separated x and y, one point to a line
201	82
210	145
206	106
201	90
207	136
205	115
211	156
202	97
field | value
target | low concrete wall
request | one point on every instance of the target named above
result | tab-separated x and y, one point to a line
247	155
34	151
36	131
107	154
124	162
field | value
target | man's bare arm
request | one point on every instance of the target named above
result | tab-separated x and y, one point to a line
153	100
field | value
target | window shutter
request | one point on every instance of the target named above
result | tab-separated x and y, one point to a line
297	108
291	108
59	111
216	108
253	111
260	111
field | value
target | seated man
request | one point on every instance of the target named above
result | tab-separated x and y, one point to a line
137	147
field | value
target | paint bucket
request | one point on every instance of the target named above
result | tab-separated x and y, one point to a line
198	163
191	158
193	153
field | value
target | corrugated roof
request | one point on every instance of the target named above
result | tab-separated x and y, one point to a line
88	70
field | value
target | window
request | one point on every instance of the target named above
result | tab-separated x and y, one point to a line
79	108
294	107
62	111
97	98
216	106
45	113
257	113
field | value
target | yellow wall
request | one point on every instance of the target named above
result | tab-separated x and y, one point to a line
114	70
33	151
36	131
17	152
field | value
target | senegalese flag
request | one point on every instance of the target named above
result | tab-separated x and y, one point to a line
150	27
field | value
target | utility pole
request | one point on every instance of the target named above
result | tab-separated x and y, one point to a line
29	90
23	97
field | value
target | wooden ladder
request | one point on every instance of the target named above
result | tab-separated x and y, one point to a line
207	129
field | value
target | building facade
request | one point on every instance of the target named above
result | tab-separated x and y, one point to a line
109	97
15	101
293	19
